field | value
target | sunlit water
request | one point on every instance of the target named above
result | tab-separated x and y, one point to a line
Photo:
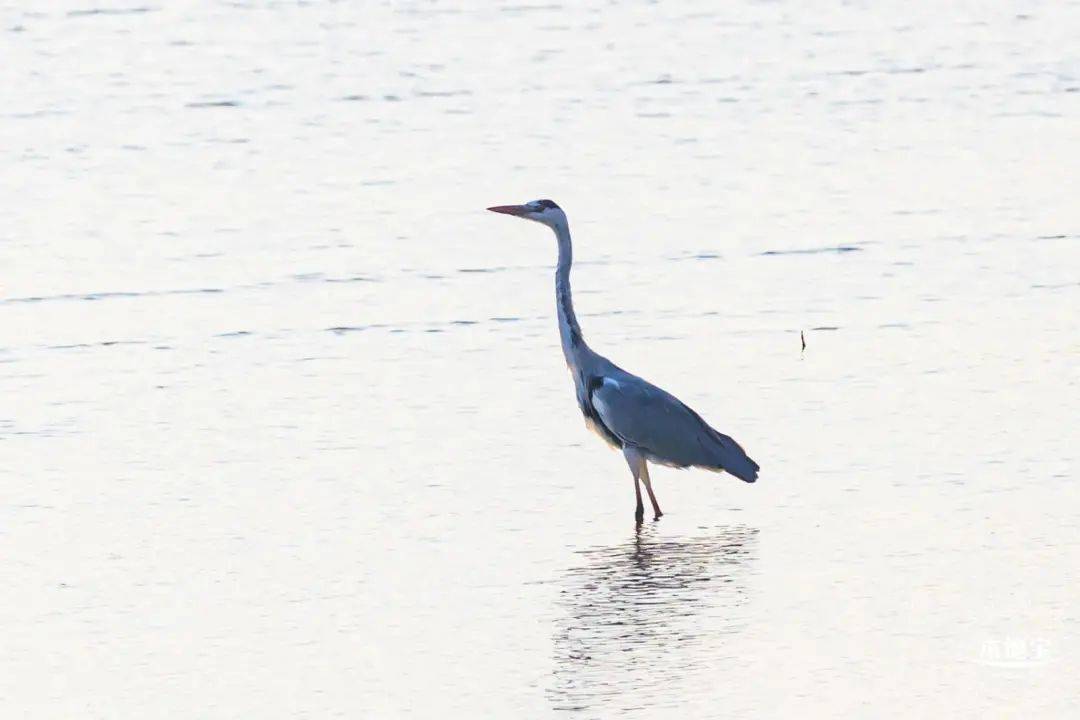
286	431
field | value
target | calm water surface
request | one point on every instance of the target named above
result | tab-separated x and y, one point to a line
286	431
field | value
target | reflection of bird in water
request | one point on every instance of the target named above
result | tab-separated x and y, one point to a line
646	619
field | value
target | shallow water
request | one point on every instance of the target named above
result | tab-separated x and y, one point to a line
287	431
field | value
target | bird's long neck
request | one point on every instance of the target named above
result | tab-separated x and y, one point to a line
573	344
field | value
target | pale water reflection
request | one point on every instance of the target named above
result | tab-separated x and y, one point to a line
646	620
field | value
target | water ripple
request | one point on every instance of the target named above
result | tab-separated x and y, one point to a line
108	295
815	251
635	613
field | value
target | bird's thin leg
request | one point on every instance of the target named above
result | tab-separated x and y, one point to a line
639	512
636	462
648	487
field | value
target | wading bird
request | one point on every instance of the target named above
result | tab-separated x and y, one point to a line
645	422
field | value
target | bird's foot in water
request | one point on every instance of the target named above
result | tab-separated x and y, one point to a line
658	515
639	516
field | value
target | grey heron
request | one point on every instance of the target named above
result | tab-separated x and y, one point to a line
648	424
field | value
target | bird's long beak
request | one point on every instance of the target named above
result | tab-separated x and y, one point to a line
517	210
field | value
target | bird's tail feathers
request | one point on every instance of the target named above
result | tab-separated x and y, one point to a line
744	468
733	459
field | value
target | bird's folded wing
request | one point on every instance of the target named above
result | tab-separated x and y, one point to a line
643	415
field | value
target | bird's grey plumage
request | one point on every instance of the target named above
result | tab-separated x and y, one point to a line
664	428
625	410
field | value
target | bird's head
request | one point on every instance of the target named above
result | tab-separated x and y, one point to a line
545	212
